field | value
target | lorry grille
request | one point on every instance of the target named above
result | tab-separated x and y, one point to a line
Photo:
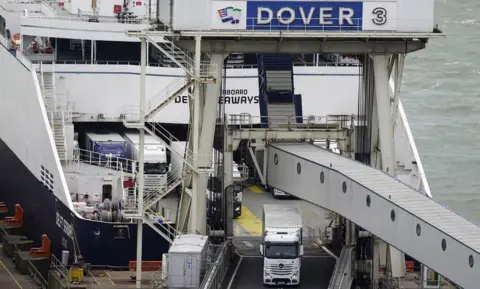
286	270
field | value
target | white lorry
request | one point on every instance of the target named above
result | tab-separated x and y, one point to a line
155	159
281	247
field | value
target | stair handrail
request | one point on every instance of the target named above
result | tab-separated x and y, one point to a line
188	61
169	228
156	280
36	276
340	268
64	134
151	195
290	122
157	130
166	92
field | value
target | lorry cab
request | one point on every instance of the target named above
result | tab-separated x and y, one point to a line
282	246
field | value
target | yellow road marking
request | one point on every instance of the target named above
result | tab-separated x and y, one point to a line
256	189
8	271
250	222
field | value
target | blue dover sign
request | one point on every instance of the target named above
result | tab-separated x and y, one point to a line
320	16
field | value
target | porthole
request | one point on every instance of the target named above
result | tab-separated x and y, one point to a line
368	200
471	261
419	230
275	159
392	215
299	168
444	244
344	187
322	177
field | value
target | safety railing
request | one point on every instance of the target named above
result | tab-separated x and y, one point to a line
169	230
216	272
154	64
162	98
88	19
204	161
208	71
329	122
62	272
82	156
37	277
354	25
59	269
151	196
342	273
156	280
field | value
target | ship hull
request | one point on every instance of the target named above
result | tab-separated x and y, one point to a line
100	243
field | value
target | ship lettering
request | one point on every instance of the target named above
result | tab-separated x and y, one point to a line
230	97
238	99
65	226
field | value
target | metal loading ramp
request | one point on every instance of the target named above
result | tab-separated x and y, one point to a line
408	220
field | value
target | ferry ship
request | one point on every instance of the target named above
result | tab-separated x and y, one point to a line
68	68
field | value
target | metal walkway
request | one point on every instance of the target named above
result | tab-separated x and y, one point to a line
408	220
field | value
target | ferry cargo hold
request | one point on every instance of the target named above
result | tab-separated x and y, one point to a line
109	144
155	159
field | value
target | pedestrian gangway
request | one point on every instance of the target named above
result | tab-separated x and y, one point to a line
406	219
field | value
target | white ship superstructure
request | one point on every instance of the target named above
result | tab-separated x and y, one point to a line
72	70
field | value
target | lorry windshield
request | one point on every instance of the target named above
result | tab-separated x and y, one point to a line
281	251
155	168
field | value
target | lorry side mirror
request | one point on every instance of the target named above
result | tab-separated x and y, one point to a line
261	250
301	250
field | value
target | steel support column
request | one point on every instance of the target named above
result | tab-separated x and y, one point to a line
205	145
387	145
228	179
198	213
143	69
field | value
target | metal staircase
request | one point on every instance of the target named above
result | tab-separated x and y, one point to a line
57	113
342	273
171	49
176	56
167	95
156	279
174	179
277	98
172	55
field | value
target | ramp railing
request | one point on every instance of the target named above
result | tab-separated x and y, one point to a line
216	273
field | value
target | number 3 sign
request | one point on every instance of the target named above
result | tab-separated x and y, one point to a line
379	16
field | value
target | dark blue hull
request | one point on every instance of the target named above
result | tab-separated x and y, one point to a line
110	244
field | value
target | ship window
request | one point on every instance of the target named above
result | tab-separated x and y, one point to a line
106	192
